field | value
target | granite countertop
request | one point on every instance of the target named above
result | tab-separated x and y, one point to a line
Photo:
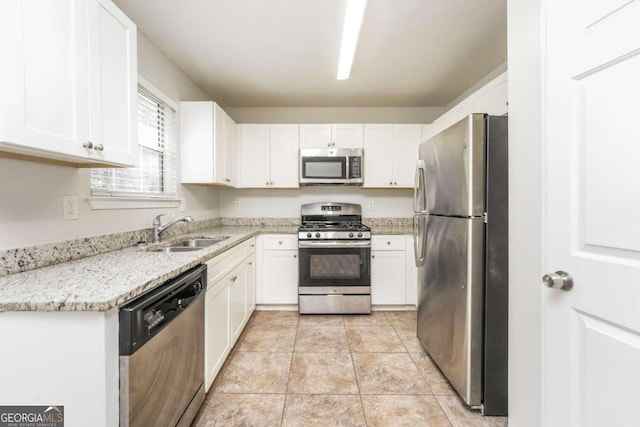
105	281
102	282
391	229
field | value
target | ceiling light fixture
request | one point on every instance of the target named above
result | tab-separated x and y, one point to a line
350	32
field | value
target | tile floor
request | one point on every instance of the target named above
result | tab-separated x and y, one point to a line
293	370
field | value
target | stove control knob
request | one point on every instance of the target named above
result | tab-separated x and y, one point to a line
359	234
309	235
350	234
318	235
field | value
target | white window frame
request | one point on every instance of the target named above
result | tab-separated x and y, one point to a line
141	201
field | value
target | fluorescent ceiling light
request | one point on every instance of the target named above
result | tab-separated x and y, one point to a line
350	33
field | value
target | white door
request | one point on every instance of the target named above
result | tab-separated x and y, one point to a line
280	277
45	75
229	150
114	82
284	156
315	136
253	156
387	277
591	333
406	139
346	135
378	156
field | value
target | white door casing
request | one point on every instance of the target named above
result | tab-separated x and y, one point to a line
591	146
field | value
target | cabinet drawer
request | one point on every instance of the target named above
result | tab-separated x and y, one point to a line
280	241
387	243
225	262
249	246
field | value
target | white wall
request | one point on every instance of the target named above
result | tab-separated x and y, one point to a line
525	212
336	115
500	69
31	193
396	203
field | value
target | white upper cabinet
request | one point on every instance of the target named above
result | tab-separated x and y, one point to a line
253	155
347	135
115	104
390	154
406	139
229	135
267	156
343	135
284	156
69	80
207	144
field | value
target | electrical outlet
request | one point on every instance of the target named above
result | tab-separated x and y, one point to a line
237	204
371	205
70	207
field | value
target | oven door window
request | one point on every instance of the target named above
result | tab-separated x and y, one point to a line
327	266
337	266
324	167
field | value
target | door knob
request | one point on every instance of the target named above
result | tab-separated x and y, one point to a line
558	280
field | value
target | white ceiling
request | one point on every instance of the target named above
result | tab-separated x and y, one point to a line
284	53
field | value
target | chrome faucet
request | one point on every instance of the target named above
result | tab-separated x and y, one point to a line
158	229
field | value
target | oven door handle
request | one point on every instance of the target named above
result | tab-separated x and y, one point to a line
304	244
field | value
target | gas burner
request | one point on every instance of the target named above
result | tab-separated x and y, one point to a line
344	223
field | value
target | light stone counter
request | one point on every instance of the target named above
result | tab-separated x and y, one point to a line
104	281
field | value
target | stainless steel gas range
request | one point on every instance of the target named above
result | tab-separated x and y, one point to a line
334	252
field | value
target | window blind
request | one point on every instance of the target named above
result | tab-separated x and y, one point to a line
155	175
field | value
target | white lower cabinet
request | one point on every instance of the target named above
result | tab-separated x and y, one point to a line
217	332
388	270
237	297
250	274
229	302
278	269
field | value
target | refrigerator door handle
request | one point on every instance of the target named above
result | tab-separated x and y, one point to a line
419	238
419	187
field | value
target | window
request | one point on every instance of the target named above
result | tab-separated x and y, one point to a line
155	176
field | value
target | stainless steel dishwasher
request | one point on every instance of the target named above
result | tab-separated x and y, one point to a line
162	353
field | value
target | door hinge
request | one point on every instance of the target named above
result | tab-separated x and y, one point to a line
485	218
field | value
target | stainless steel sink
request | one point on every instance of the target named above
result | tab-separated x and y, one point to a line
198	243
189	245
175	249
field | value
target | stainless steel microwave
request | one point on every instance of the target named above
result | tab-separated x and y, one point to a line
331	166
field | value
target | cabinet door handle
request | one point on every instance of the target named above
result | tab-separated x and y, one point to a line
88	145
395	183
252	245
227	180
267	183
250	263
279	242
373	256
388	242
271	183
295	256
390	182
98	147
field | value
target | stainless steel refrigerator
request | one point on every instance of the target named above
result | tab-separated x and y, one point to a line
461	241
